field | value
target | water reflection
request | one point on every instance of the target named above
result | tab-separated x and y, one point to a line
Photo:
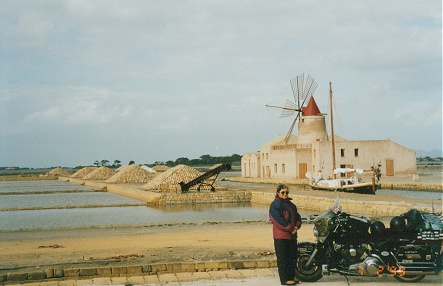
60	200
122	216
40	186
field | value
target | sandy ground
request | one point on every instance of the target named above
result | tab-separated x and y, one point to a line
191	242
163	244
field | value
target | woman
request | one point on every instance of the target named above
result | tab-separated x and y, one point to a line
285	223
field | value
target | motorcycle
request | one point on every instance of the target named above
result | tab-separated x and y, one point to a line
408	250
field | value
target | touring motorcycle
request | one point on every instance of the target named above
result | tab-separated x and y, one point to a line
408	250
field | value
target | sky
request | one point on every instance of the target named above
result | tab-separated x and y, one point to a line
152	81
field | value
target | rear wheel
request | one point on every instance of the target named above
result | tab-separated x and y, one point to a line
409	279
307	274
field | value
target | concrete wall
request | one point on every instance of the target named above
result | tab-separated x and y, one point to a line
369	152
355	207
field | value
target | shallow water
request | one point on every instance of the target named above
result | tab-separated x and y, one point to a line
40	186
123	216
64	200
97	209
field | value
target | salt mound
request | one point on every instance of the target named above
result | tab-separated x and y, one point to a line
102	173
83	172
160	168
131	174
58	171
173	176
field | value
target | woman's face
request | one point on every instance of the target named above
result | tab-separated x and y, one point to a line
283	193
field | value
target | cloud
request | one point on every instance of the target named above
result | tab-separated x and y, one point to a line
188	76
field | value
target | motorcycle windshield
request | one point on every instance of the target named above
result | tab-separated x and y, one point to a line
325	222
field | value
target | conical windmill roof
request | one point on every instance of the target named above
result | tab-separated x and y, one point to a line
311	109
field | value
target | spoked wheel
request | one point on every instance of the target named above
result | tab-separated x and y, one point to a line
307	274
409	279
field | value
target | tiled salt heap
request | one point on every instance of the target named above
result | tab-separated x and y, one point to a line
101	173
131	174
173	176
58	171
83	172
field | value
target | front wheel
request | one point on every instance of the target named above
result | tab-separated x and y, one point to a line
307	274
409	279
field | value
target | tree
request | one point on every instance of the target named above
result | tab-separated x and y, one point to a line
105	162
205	159
117	163
183	160
131	162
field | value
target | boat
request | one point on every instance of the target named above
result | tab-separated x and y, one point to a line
352	184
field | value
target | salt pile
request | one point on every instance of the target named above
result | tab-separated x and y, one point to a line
160	168
173	176
83	172
58	171
131	174
102	173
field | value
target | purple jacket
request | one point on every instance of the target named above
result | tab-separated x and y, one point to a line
284	217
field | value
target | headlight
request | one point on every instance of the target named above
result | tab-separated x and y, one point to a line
316	232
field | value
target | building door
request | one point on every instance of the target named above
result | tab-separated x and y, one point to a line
389	167
302	170
268	172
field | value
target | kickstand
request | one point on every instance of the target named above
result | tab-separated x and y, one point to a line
347	280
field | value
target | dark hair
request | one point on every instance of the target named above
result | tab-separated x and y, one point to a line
281	187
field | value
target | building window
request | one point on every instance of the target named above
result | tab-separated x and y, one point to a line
356	152
315	153
342	175
283	168
275	168
266	156
342	152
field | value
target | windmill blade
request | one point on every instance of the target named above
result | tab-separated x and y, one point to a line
309	90
288	109
288	135
297	87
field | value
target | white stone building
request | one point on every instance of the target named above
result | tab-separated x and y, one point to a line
311	151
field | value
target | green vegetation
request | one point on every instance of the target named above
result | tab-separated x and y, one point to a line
429	160
204	160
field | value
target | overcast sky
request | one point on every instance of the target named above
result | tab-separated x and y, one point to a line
157	80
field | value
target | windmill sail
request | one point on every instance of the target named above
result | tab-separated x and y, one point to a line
301	92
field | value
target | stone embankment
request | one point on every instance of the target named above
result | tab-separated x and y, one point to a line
147	273
356	204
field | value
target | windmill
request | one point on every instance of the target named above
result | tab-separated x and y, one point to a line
302	92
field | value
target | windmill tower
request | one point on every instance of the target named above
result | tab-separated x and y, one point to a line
312	125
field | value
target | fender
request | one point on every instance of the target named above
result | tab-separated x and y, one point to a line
305	247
